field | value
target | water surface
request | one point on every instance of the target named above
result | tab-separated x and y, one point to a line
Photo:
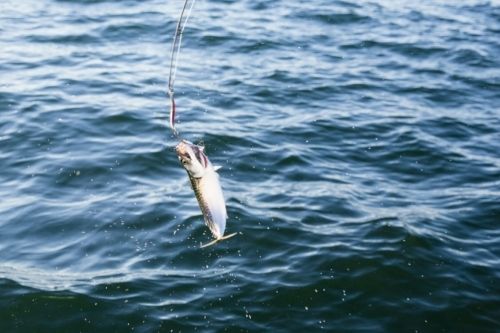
361	166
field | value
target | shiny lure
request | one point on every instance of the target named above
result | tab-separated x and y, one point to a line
176	48
203	176
206	186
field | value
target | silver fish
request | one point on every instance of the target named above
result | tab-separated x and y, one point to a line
206	186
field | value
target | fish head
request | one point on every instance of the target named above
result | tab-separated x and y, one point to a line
193	158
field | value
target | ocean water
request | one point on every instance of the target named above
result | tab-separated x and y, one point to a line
360	151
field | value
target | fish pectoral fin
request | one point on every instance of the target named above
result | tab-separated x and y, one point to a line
217	167
218	240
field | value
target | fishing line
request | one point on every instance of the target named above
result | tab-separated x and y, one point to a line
176	47
202	174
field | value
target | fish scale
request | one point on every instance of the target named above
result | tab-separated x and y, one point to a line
207	215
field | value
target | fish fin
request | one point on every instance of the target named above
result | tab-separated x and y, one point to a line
217	167
209	243
215	241
228	236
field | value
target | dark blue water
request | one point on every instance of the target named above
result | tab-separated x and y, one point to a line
361	166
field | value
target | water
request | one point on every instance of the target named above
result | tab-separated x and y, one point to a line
361	166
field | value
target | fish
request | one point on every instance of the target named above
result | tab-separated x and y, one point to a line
206	186
202	174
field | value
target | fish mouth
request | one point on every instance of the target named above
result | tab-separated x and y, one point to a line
182	152
180	149
184	155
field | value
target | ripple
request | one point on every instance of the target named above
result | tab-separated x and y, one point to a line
64	39
359	154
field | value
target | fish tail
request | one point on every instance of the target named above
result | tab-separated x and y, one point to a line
215	241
